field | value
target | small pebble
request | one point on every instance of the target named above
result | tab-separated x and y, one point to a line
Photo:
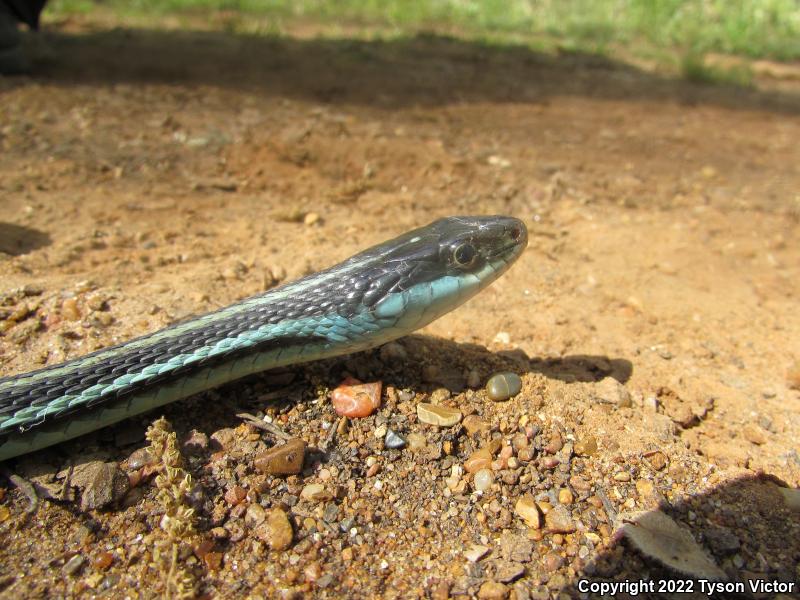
474	424
282	460
528	511
483	480
434	414
276	530
73	565
754	434
475	553
480	459
493	590
235	495
503	386
315	492
565	496
103	560
393	440
355	399
254	516
586	446
558	520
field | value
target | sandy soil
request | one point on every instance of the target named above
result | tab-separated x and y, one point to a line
150	175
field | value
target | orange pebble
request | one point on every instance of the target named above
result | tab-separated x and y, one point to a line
355	399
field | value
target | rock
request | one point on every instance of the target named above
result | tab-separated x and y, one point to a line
552	562
503	386
435	414
565	496
754	434
282	460
558	520
73	565
101	483
476	552
527	510
235	495
276	530
493	590
586	446
474	424
657	460
722	540
196	442
355	399
613	392
478	460
315	492
508	571
393	440
416	441
483	480
514	547
254	516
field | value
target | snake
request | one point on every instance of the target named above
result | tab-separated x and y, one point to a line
374	297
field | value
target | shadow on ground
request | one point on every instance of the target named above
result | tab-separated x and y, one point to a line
16	240
425	70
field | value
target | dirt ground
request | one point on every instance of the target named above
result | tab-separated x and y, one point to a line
149	175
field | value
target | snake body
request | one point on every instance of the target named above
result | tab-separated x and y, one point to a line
376	296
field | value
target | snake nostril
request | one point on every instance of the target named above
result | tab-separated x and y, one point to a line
516	233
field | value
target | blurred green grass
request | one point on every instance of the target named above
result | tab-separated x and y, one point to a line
676	33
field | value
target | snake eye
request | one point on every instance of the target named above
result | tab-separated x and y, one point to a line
465	255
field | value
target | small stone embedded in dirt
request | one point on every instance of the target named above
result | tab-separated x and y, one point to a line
528	511
235	495
480	459
493	590
476	552
101	483
657	460
507	571
276	530
586	446
558	520
254	516
503	386
315	492
73	565
722	540
754	434
435	414
474	424
286	459
515	547
355	399
140	458
196	442
613	392
483	480
393	440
